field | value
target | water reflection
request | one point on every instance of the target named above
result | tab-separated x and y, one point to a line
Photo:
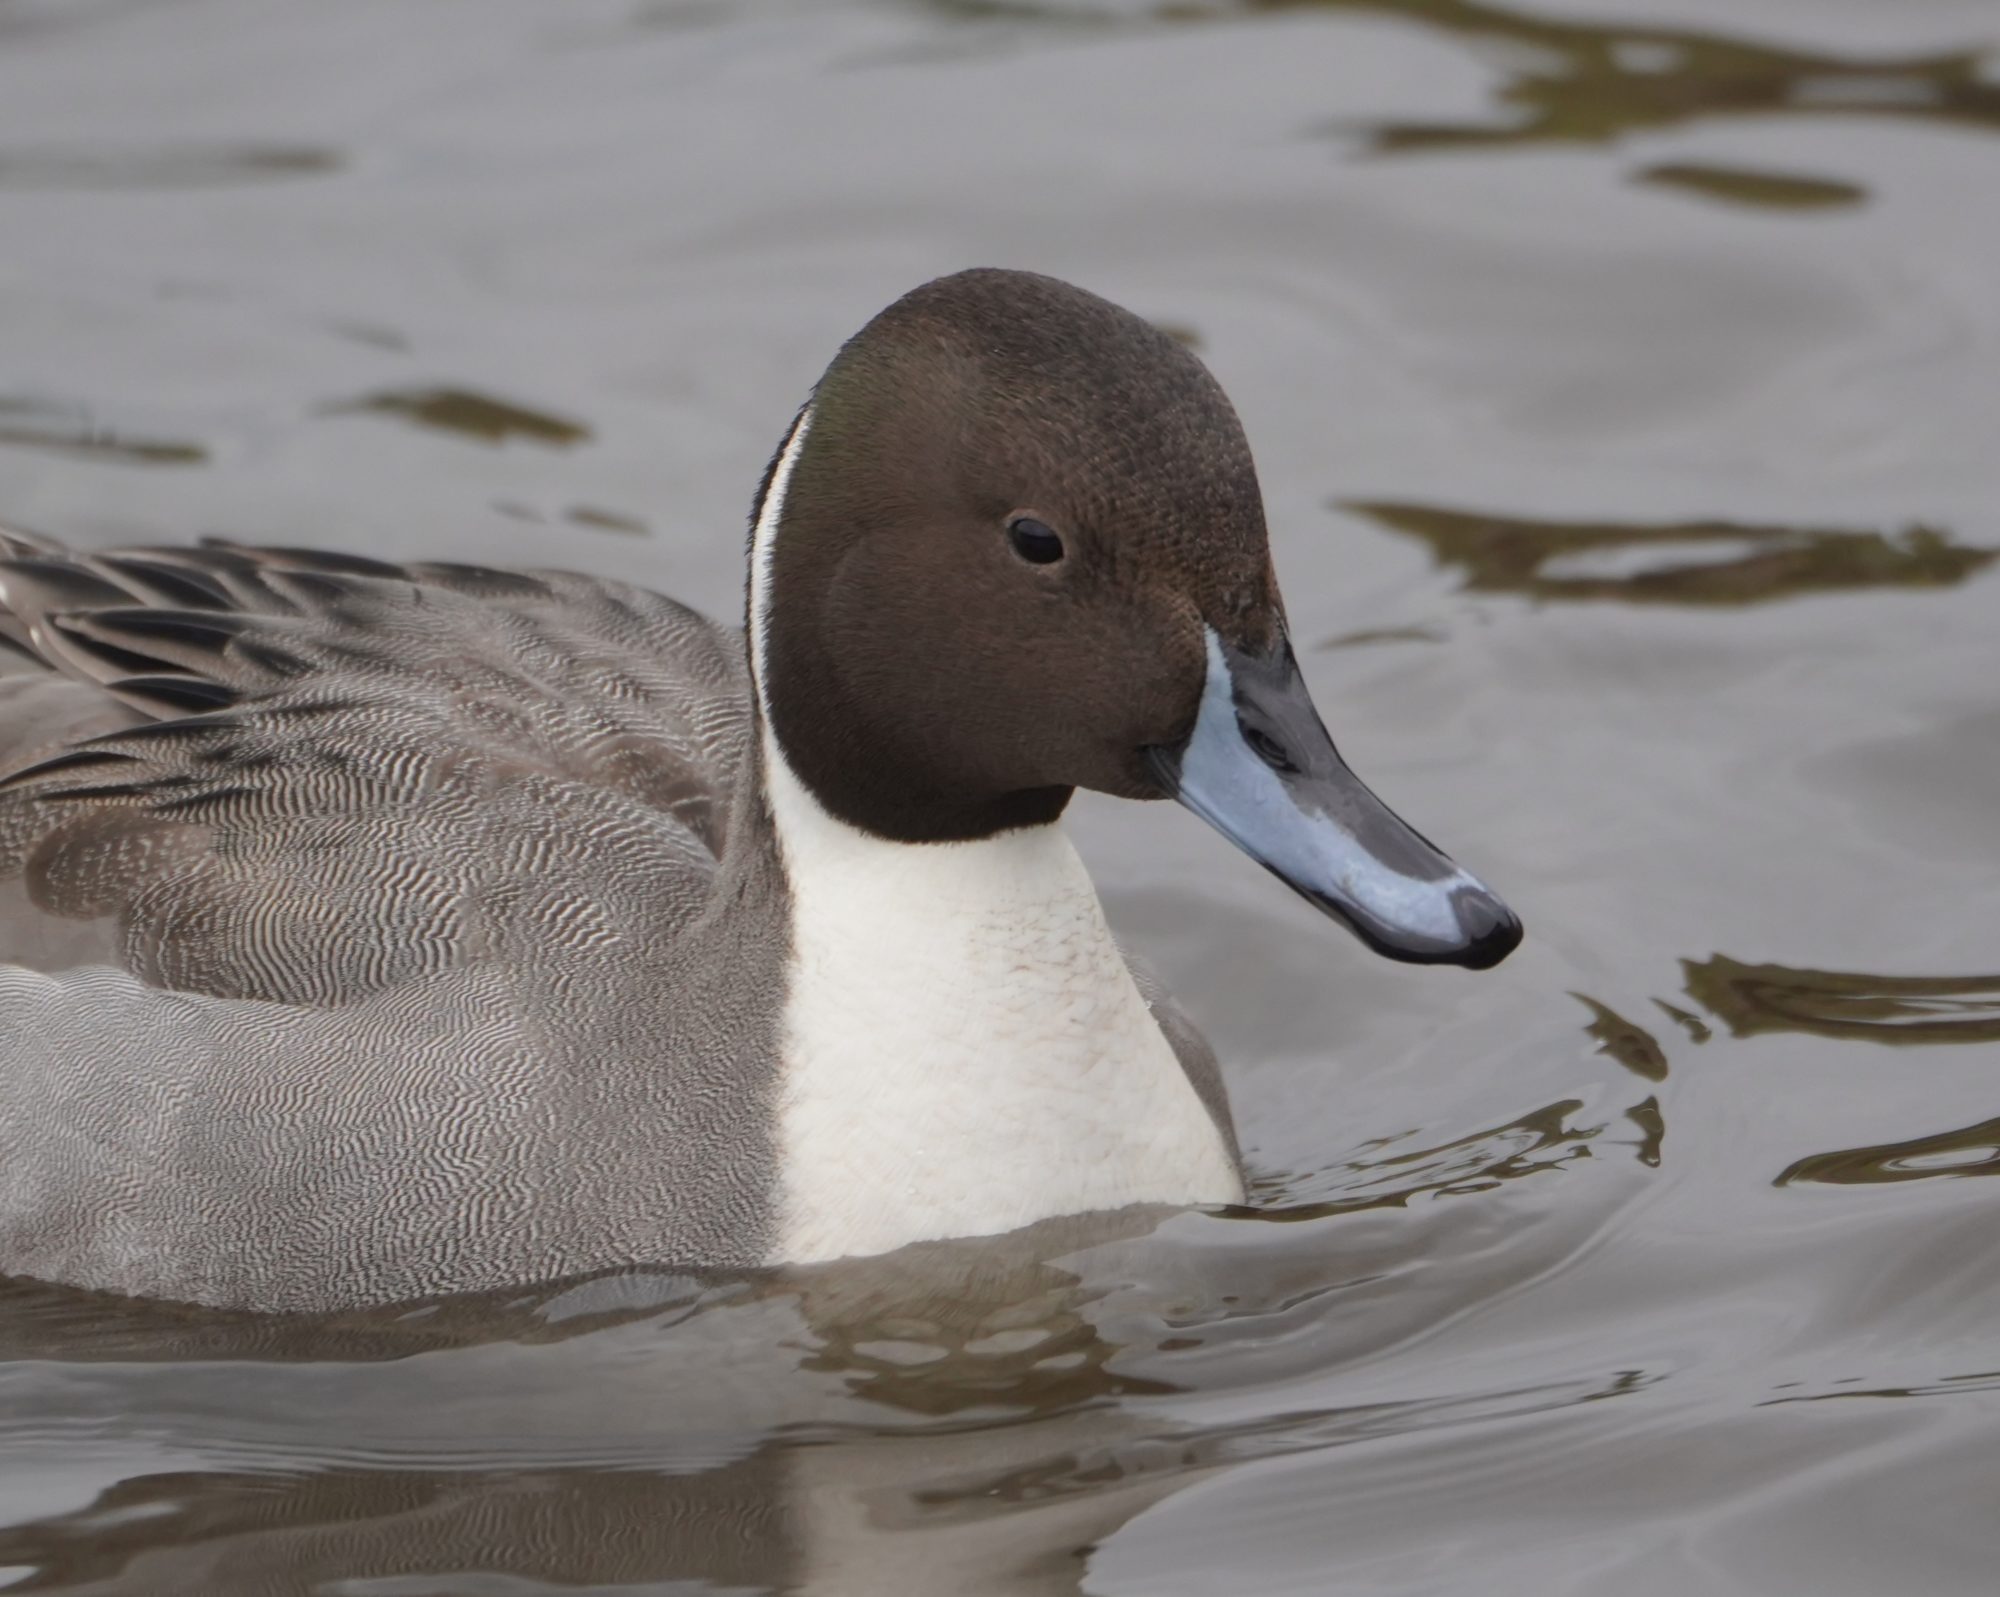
1542	1139
607	521
869	1384
43	1321
936	1329
471	415
29	424
927	1399
827	1512
924	1407
1968	1151
990	1326
415	1532
589	517
1783	191
1185	1451
164	166
1639	1051
1624	1040
1368	637
1900	1010
371	334
1696	1028
1944	1386
1652	1126
1692	562
1596	82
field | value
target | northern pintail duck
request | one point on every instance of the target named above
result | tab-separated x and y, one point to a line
377	931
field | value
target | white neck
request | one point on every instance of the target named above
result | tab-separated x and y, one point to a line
964	1048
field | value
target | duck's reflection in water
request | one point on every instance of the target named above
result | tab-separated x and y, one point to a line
752	1434
965	1417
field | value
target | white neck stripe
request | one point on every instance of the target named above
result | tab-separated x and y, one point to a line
763	545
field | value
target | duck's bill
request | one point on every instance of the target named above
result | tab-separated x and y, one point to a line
1260	768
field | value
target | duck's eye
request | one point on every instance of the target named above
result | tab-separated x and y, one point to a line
1034	541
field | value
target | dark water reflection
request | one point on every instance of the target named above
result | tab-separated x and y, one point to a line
470	415
1652	1124
25	424
1898	1010
1389	1175
1948	1386
1549	1271
1784	191
167	166
911	1412
1969	1151
1693	562
1596	81
417	1531
1624	1040
928	1402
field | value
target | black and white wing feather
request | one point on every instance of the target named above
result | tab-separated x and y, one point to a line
304	777
351	936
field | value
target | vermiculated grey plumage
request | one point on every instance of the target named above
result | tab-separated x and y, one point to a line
397	893
371	931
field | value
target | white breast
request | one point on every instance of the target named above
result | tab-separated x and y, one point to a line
964	1049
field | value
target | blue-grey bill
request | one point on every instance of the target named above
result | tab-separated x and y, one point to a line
1260	768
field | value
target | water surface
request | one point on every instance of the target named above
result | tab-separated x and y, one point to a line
1624	392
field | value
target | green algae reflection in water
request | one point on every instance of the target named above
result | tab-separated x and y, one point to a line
1897	1010
69	168
471	415
1969	1151
1900	1011
74	430
1597	81
1624	1040
1690	562
1780	191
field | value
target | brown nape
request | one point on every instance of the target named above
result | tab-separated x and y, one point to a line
923	678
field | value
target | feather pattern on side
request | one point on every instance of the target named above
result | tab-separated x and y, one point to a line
396	884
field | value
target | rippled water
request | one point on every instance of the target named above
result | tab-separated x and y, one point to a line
1625	396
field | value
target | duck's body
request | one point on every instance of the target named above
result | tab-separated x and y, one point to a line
371	932
514	981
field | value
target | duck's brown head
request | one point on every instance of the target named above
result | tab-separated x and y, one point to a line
1014	546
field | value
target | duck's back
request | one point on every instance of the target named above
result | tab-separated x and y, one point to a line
353	915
